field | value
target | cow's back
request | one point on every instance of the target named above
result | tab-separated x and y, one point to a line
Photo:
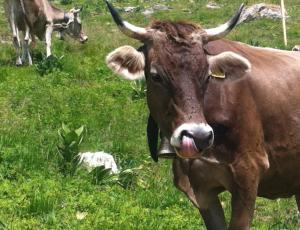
36	15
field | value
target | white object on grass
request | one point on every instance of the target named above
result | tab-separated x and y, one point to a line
90	160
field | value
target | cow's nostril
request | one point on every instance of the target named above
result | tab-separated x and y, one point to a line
186	133
203	139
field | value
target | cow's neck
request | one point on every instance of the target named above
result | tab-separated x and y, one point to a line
59	15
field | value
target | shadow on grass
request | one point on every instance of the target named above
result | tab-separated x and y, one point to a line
10	59
7	62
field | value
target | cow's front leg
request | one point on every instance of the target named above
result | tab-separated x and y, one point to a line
48	35
207	203
17	44
27	41
242	210
211	210
60	35
181	180
16	38
244	192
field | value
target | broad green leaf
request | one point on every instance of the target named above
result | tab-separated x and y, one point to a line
80	130
65	128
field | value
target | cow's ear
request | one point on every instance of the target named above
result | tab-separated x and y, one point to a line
127	62
228	64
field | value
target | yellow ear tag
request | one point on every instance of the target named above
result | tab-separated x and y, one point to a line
219	75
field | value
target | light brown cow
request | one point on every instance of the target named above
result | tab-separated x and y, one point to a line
230	110
39	18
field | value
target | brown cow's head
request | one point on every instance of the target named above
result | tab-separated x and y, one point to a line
177	71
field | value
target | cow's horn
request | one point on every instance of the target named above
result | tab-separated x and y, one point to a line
128	29
222	30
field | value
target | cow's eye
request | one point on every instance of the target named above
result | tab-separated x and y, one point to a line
156	77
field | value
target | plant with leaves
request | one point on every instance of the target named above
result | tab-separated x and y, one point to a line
127	178
48	65
103	176
138	89
66	2
254	43
69	147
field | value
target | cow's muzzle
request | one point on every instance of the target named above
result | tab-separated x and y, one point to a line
296	48
83	39
190	139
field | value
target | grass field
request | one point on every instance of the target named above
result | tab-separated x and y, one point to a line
34	194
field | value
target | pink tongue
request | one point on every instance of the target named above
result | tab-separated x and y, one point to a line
188	146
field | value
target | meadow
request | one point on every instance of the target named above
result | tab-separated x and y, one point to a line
35	194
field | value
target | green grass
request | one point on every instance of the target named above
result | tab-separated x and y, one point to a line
34	194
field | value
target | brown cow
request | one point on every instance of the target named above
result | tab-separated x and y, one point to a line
230	110
39	18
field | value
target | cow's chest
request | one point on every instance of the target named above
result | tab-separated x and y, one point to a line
205	176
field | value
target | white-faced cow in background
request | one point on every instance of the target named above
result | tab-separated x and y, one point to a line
39	18
296	48
230	110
